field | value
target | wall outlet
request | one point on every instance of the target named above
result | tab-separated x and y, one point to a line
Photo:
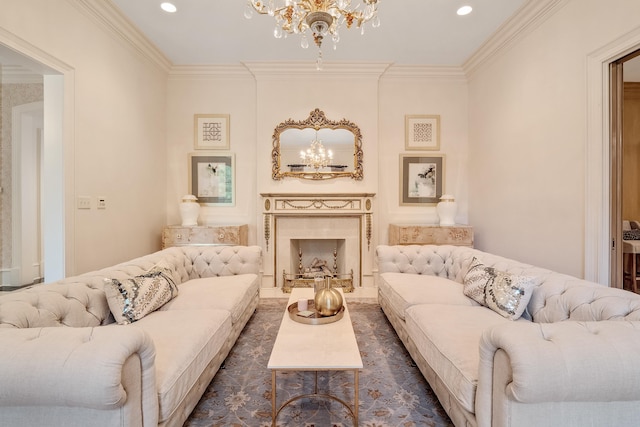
102	203
84	202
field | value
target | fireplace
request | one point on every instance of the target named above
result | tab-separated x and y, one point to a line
321	234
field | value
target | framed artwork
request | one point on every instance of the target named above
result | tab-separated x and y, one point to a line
421	179
212	178
422	133
211	131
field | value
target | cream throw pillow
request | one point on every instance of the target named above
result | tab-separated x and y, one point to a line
138	296
506	294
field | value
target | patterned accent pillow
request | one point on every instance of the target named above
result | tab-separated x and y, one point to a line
631	234
138	296
475	281
506	294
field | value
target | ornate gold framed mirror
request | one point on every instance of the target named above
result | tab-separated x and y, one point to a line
317	148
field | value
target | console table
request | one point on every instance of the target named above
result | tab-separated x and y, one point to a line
457	235
178	235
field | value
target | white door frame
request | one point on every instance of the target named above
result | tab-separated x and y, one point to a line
597	255
26	120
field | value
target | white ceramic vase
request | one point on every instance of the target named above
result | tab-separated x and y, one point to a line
447	209
189	210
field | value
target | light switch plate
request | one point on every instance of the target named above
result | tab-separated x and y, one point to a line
84	202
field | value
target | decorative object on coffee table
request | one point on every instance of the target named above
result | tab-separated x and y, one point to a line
328	301
311	315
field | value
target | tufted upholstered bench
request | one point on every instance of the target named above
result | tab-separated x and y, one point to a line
572	359
65	362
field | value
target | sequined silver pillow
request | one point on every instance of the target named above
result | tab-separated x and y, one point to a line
138	296
475	281
506	294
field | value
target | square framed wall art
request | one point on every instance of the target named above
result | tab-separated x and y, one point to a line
211	131
212	178
422	132
421	179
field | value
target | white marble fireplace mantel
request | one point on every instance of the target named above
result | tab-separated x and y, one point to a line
341	221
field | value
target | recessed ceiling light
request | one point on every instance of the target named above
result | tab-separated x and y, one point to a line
168	7
464	10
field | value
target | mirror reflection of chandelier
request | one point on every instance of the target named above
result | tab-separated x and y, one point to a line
316	156
322	17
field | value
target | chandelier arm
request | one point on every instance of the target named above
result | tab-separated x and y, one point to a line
321	16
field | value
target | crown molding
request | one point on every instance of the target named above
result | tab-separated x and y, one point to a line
113	20
437	72
532	14
306	69
208	71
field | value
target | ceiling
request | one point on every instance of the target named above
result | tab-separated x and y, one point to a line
426	32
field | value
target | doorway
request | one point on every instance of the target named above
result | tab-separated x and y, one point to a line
32	184
625	170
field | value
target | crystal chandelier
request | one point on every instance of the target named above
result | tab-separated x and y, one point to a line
316	156
321	17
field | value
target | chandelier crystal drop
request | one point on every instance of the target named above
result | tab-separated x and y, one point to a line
320	17
316	156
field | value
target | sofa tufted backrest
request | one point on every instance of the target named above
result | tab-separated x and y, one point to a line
562	297
210	261
57	304
80	301
451	262
558	297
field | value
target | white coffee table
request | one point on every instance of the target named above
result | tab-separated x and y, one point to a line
302	347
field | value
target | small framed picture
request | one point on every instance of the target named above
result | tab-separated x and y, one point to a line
211	131
422	133
212	178
421	179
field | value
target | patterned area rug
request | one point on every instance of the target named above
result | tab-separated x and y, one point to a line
392	390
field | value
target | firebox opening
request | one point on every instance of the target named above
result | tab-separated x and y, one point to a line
318	256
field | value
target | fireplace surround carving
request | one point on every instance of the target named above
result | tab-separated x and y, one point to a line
298	228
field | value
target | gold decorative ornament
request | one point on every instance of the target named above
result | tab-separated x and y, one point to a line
342	137
328	301
267	229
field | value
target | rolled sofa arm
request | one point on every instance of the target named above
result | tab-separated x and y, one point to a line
564	361
80	367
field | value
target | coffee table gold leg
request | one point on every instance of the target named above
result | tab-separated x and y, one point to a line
357	401
273	398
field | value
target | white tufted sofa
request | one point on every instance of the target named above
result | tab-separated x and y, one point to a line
64	362
572	360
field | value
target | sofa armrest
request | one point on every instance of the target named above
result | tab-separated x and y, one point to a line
79	367
560	362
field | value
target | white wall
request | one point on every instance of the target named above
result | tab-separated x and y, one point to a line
213	90
115	135
375	97
421	91
528	136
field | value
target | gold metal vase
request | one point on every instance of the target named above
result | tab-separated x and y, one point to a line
328	301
